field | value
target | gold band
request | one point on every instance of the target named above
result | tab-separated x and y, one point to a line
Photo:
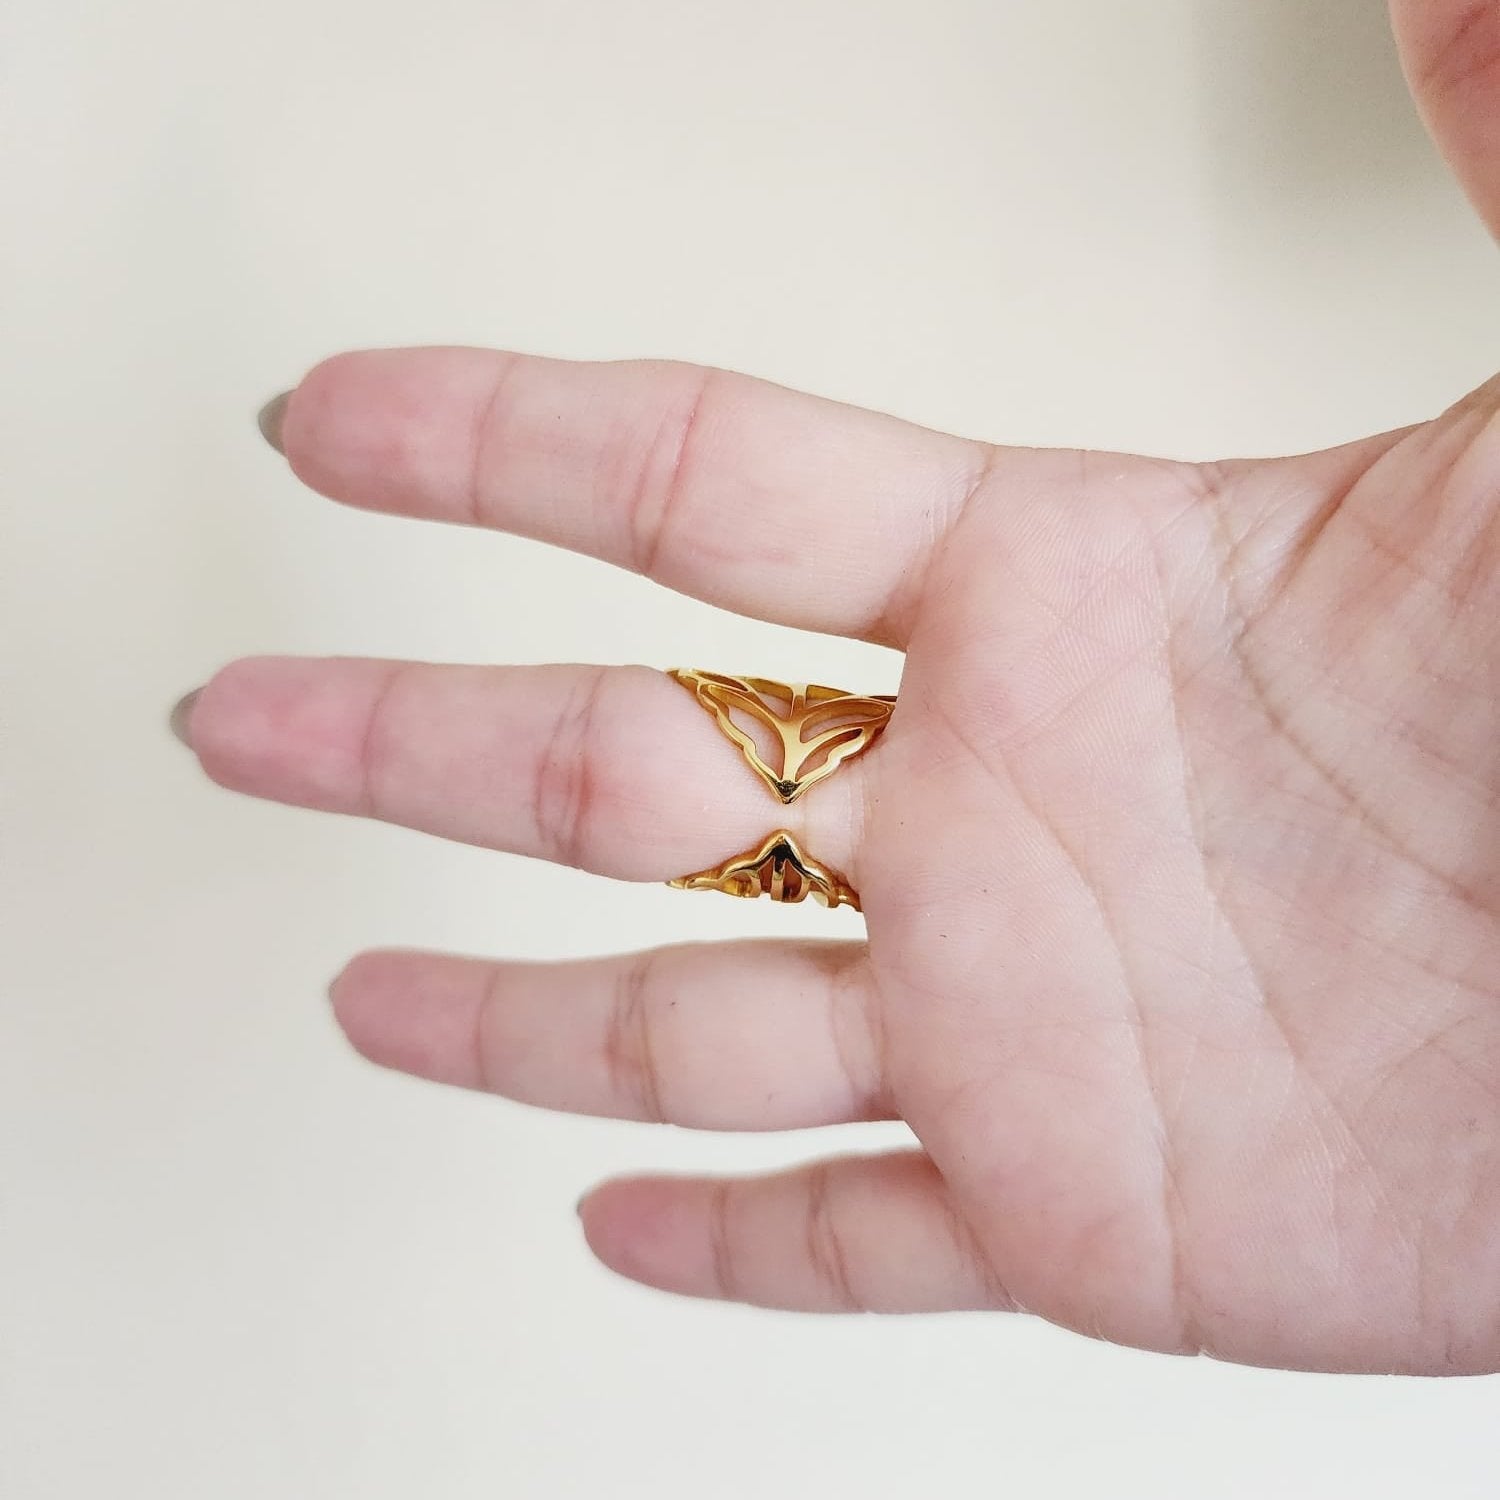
816	729
792	735
778	868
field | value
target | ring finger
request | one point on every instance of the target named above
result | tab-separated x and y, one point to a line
719	1036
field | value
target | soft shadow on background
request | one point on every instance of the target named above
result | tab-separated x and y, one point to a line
1304	101
1331	223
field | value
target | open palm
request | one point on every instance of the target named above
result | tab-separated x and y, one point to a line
1180	856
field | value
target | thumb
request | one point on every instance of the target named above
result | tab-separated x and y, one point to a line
1450	50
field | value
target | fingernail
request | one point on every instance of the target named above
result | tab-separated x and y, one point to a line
270	418
182	717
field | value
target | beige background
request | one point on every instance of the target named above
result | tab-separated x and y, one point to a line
235	1261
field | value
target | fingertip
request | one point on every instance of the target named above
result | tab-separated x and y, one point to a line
227	715
357	977
599	1216
288	728
411	1011
639	1228
382	428
346	999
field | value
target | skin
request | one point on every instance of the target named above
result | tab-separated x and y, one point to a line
1180	856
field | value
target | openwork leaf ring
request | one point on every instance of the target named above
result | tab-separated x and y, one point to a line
809	732
816	728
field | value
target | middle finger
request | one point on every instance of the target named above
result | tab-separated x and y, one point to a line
616	770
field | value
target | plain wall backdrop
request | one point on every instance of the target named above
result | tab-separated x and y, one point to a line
235	1260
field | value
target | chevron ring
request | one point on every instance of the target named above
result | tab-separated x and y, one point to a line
792	735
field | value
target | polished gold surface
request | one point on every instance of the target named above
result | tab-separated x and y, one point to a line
778	868
792	735
809	730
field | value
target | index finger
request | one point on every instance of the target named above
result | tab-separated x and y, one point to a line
750	496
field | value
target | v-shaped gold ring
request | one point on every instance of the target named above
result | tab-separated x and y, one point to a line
816	729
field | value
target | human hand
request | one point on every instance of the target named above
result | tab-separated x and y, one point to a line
1180	856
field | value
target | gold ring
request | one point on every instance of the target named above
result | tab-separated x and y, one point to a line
792	735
